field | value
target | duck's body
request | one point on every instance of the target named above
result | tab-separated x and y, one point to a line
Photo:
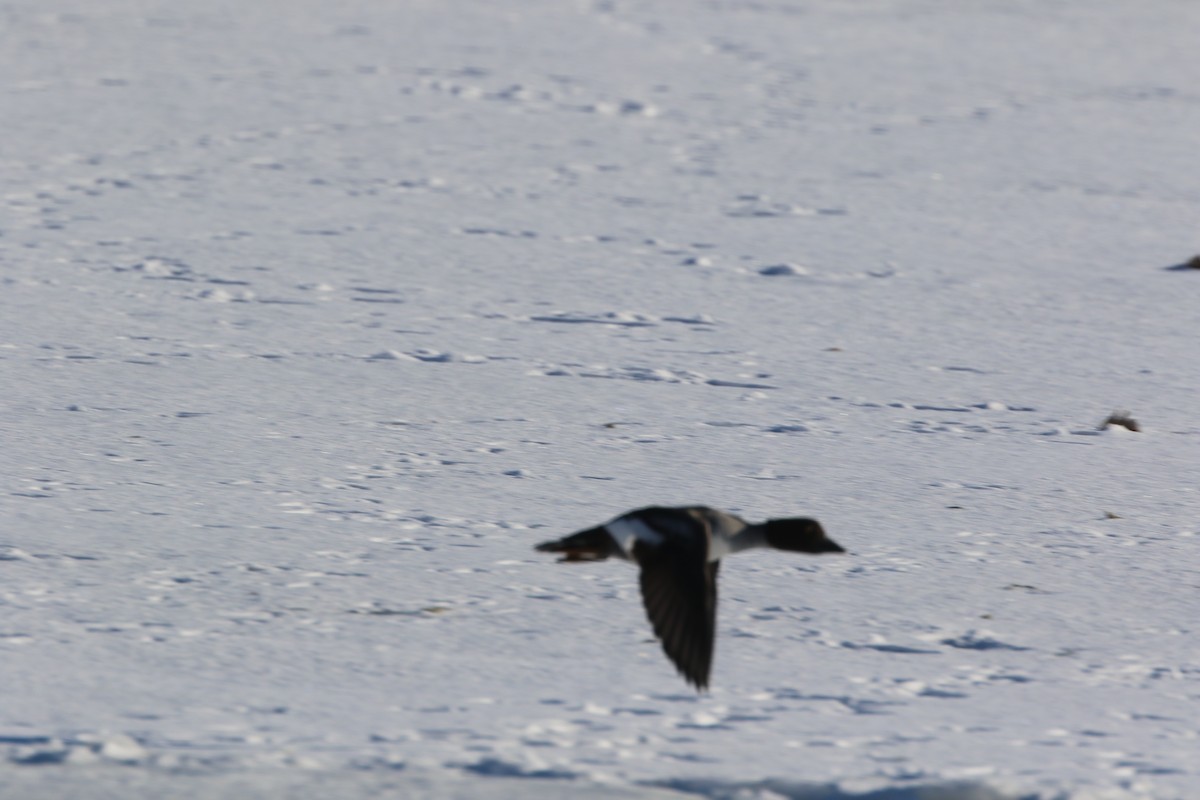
679	551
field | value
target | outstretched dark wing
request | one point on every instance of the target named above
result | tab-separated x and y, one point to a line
679	590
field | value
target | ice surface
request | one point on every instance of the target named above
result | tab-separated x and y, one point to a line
315	317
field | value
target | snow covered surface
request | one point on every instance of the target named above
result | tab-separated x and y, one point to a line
315	317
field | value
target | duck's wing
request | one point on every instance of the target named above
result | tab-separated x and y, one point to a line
679	590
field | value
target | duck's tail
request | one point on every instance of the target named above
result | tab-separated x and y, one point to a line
594	544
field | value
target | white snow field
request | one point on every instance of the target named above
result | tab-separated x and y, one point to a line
316	316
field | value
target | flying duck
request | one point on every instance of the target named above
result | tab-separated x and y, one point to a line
679	551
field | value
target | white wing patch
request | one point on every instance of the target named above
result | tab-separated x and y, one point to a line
626	531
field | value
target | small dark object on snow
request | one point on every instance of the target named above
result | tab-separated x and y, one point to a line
1123	419
1191	263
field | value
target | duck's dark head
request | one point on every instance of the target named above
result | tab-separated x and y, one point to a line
800	535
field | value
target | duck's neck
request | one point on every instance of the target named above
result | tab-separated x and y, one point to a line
735	541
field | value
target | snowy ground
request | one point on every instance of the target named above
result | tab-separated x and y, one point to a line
315	317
